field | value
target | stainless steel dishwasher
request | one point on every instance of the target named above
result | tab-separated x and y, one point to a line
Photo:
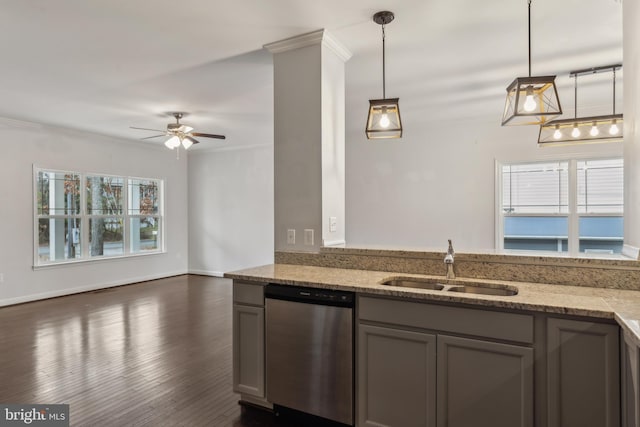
309	350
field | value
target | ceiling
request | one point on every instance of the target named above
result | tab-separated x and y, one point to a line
105	65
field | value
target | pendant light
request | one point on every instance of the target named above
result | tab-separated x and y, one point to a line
531	100
581	130
384	114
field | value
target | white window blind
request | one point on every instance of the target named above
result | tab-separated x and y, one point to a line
600	186
536	188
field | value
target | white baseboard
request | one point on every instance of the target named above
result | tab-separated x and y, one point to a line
334	243
87	288
207	273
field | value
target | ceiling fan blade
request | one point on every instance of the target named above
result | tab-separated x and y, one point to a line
154	130
193	140
154	136
208	135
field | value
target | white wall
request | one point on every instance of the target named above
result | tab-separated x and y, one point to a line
333	146
297	146
631	17
27	144
437	182
230	209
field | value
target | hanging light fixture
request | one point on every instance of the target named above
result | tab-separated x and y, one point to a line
584	129
384	114
531	100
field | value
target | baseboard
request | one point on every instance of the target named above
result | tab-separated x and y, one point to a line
333	243
87	288
207	272
258	402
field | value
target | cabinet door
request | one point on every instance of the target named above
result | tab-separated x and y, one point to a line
583	376
484	383
396	377
248	350
630	384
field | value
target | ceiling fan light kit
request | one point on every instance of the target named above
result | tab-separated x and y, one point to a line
584	130
531	100
383	121
180	134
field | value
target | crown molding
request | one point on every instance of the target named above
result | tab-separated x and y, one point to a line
309	39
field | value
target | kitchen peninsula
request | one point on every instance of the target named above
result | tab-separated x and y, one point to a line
550	353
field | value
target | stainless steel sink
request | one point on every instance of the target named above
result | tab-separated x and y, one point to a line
451	286
484	290
415	283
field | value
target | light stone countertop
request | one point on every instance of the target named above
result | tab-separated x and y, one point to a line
622	306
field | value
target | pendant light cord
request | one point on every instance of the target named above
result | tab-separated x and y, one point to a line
384	91
614	91
529	1
575	97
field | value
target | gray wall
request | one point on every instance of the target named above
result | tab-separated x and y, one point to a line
25	145
230	209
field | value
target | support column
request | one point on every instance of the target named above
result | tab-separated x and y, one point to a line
631	62
309	133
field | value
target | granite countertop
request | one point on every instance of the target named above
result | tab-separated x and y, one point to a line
622	306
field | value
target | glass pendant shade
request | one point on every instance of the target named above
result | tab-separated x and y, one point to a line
172	142
384	119
186	142
589	130
531	101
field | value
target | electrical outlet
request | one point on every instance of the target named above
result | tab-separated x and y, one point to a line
291	236
1	277
308	236
333	224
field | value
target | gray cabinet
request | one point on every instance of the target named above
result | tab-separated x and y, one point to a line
482	383
583	374
396	377
630	383
413	372
248	341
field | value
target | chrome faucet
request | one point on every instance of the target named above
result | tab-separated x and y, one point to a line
448	260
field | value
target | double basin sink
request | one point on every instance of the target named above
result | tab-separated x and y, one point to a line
451	285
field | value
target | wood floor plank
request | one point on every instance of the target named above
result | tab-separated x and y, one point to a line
148	354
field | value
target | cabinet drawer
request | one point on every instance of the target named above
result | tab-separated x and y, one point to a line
469	321
248	293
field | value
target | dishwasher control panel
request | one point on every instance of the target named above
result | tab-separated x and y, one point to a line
310	295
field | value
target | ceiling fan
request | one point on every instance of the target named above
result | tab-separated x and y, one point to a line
179	134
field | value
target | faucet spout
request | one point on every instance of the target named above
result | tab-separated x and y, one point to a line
448	260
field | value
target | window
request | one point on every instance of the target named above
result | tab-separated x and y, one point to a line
144	218
541	204
90	216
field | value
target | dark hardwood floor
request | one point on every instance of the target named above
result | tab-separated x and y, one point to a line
155	353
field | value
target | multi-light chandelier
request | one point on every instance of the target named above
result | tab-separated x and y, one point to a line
584	129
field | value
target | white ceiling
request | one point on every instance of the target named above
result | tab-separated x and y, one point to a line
105	65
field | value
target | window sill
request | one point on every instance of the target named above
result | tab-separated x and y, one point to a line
79	262
552	254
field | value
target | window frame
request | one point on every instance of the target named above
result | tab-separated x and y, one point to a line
85	217
573	216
